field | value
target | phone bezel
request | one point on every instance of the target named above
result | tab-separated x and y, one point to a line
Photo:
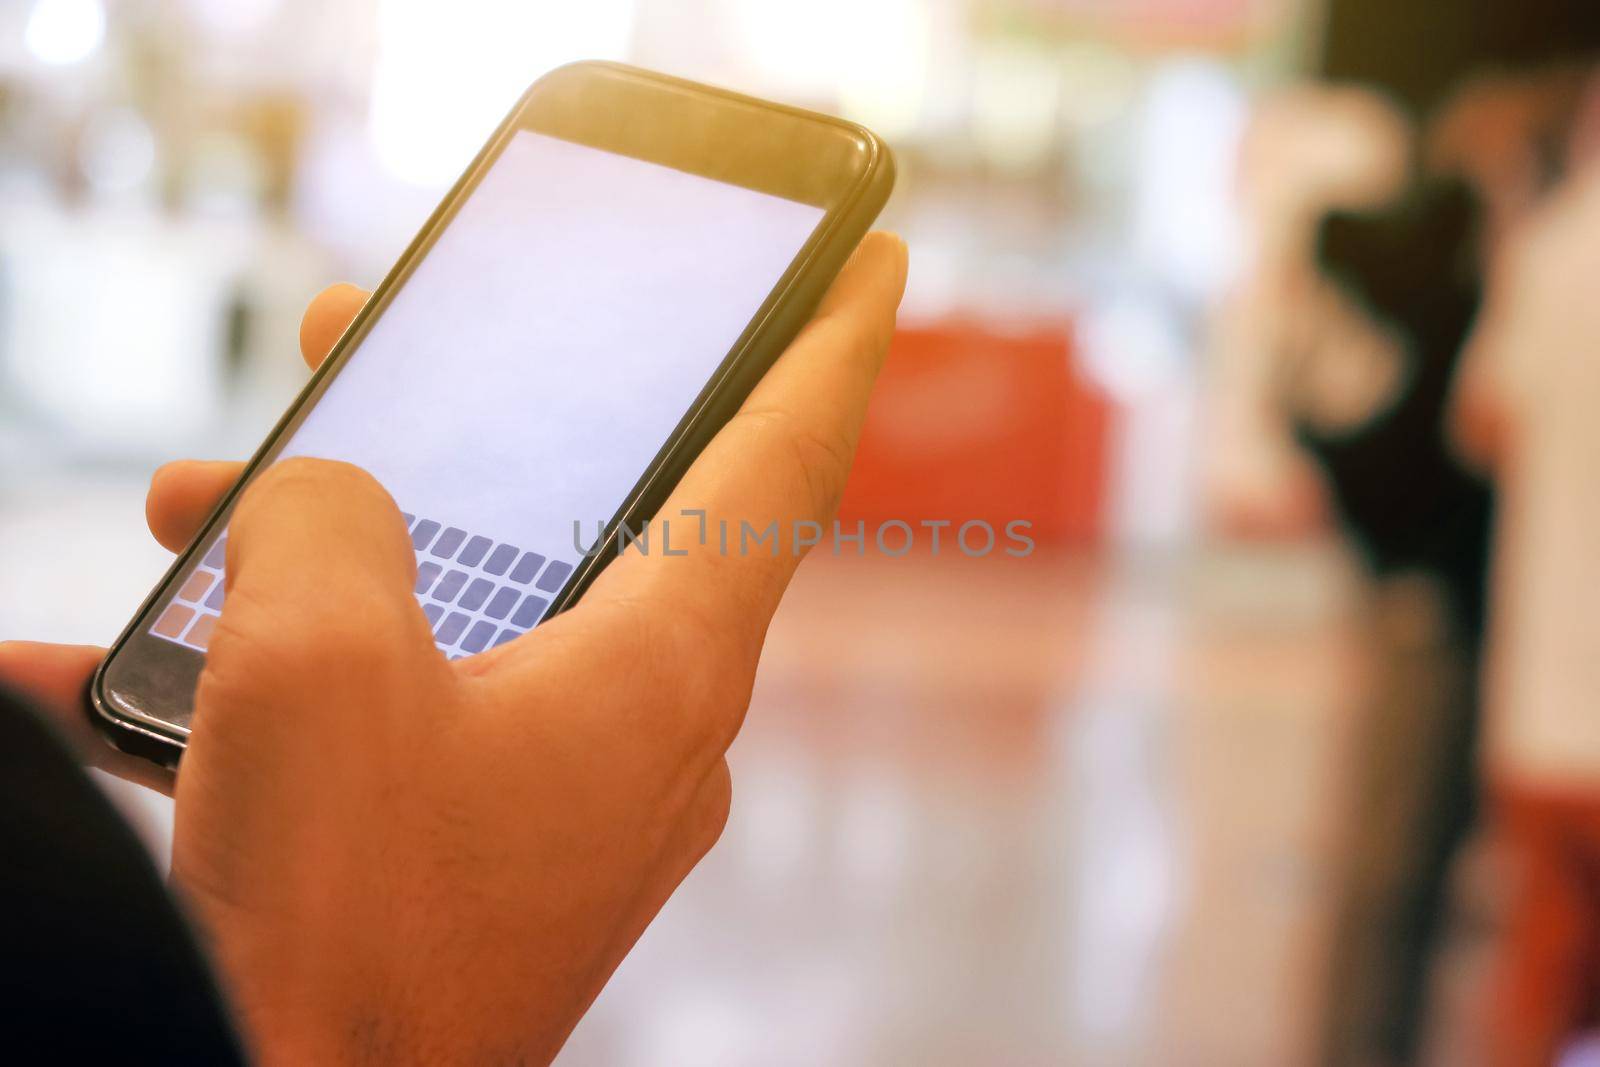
847	170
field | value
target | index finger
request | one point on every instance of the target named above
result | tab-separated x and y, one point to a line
783	460
328	315
319	575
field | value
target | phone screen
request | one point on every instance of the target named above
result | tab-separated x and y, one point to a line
529	369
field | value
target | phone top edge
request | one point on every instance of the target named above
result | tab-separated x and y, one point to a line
865	135
589	102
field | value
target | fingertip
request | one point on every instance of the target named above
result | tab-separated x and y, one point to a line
339	506
874	275
889	242
182	494
321	555
323	483
902	260
327	317
885	247
160	500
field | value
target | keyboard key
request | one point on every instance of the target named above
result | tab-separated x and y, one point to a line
554	577
423	534
199	634
528	614
451	628
195	588
500	559
527	567
410	518
449	586
474	551
502	603
508	634
218	553
448	542
214	601
475	595
426	574
478	638
173	620
432	611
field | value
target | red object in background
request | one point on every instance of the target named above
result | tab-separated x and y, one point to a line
968	424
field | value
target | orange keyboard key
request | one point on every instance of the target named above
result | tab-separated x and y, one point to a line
173	620
195	588
200	633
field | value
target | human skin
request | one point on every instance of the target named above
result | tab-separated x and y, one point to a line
397	858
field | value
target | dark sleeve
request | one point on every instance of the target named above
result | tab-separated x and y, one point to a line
96	964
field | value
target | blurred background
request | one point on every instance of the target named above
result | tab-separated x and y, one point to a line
1200	288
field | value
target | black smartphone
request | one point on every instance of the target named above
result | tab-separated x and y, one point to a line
591	302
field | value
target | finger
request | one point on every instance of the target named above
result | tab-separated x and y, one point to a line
319	576
55	680
782	460
327	317
182	496
317	535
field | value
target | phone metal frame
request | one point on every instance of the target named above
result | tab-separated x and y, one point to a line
851	186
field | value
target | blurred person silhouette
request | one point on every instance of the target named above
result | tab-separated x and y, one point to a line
1355	363
1415	271
1332	363
1526	410
1305	152
1368	399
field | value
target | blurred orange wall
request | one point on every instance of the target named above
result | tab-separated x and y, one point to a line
968	423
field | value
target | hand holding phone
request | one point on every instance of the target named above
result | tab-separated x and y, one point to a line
491	835
398	858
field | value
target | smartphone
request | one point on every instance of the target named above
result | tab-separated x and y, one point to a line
591	302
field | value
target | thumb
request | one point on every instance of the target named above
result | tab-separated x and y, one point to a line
319	577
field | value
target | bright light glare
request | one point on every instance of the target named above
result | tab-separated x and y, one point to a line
1131	345
1189	134
117	151
877	72
795	48
1016	104
883	80
65	31
446	74
233	16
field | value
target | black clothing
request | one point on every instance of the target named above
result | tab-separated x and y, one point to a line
1413	511
98	966
1401	494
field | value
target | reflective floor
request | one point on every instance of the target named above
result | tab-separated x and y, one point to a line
1061	811
1073	809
